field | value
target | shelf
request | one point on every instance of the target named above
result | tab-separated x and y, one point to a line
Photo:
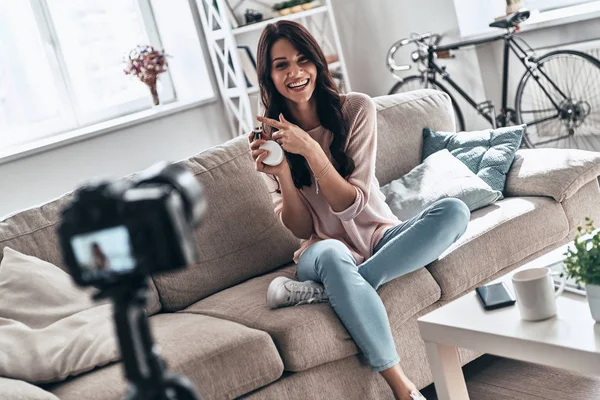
235	92
220	33
260	25
240	101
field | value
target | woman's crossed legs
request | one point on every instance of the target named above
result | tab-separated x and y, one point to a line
352	289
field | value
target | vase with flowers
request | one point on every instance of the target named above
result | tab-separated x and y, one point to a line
146	63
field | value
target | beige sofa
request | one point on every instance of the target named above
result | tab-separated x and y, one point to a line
211	319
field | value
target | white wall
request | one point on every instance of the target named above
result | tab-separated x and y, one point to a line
29	181
367	30
369	27
491	56
38	178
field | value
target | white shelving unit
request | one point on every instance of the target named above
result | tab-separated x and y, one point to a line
222	42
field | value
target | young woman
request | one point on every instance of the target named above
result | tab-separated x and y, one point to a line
100	262
327	194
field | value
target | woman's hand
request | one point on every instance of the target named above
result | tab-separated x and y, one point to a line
289	136
259	154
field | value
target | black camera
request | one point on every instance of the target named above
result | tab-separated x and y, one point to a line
129	228
113	235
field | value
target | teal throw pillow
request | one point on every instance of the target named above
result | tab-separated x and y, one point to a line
488	154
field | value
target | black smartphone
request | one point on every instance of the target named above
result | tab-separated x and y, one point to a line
495	296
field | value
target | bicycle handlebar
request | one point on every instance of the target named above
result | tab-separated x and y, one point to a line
392	51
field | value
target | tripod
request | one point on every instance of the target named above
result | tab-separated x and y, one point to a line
144	368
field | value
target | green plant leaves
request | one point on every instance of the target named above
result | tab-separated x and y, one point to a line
583	261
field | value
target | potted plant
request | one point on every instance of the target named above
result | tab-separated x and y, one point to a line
292	6
583	264
283	8
307	4
296	6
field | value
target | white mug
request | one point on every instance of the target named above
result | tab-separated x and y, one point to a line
534	290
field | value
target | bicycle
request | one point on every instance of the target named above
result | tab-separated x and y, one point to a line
560	110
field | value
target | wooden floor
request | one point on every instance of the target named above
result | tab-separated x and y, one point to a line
495	378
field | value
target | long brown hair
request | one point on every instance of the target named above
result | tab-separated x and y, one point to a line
329	105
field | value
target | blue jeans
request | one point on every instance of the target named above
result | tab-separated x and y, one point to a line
352	289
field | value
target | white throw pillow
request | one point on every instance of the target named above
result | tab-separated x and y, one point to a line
49	327
16	389
441	175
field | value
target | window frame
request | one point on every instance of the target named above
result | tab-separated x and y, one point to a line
70	117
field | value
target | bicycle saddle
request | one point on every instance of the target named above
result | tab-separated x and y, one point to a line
511	20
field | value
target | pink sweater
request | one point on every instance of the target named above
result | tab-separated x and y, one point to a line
360	226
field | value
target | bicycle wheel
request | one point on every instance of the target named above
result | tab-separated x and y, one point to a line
415	82
562	108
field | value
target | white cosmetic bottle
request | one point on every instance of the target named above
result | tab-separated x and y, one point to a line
275	156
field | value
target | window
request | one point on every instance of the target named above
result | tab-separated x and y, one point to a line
61	63
545	5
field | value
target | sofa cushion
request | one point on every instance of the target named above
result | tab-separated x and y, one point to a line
556	173
400	121
239	237
440	176
496	237
312	334
33	232
488	153
14	389
583	204
49	327
222	359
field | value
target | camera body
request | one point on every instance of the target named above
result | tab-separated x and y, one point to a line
116	232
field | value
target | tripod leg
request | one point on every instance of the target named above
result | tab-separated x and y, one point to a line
180	388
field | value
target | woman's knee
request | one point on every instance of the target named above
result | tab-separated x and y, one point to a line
333	255
455	209
330	248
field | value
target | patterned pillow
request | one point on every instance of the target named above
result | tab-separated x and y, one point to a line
488	153
440	176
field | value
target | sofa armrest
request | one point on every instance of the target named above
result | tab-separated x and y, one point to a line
15	389
557	173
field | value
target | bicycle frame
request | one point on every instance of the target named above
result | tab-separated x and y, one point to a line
509	44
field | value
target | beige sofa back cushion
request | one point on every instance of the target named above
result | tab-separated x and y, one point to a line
240	236
400	122
33	232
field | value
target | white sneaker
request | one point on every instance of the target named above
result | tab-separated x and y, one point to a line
285	292
416	395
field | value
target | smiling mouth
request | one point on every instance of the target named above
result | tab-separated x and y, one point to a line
299	84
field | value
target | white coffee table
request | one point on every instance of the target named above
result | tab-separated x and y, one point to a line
571	340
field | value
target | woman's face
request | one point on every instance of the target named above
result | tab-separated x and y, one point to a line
292	73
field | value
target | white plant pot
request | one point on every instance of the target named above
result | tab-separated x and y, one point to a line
593	296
